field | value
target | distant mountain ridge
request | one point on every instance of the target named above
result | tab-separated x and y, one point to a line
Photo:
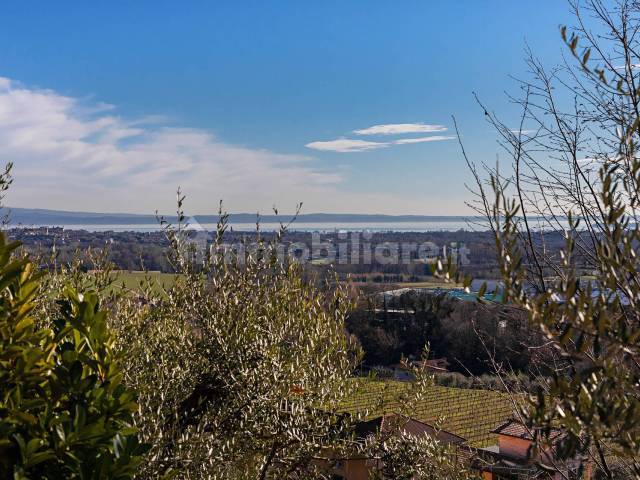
40	216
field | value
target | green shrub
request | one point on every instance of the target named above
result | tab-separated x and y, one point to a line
63	410
240	368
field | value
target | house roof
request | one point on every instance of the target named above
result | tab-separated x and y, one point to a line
468	413
515	428
388	423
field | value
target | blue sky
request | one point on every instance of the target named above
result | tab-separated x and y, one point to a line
109	106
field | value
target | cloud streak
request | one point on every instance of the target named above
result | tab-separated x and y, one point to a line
350	145
346	145
434	138
400	128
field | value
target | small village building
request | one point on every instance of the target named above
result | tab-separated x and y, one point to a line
480	424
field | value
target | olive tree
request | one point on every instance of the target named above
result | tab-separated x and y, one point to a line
574	173
240	365
243	369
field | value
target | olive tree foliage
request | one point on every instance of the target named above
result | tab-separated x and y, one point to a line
574	171
240	366
243	367
403	456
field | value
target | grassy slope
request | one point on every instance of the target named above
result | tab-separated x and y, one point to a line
136	281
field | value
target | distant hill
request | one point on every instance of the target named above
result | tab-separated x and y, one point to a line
38	216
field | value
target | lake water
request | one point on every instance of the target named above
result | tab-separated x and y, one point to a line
431	226
444	224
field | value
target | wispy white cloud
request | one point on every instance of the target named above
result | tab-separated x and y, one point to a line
433	138
75	155
632	66
349	145
523	132
346	145
400	128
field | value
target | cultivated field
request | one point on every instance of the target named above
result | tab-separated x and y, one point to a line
136	281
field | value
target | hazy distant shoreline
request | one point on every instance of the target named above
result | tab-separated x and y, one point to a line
26	217
310	222
274	226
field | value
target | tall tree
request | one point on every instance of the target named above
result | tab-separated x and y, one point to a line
575	171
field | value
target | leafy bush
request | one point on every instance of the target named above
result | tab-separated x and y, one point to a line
403	456
64	412
243	368
240	366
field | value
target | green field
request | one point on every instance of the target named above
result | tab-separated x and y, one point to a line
134	281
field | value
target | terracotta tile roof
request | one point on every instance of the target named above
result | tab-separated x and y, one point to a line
468	413
391	422
514	428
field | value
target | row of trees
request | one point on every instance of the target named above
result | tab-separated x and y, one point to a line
469	334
